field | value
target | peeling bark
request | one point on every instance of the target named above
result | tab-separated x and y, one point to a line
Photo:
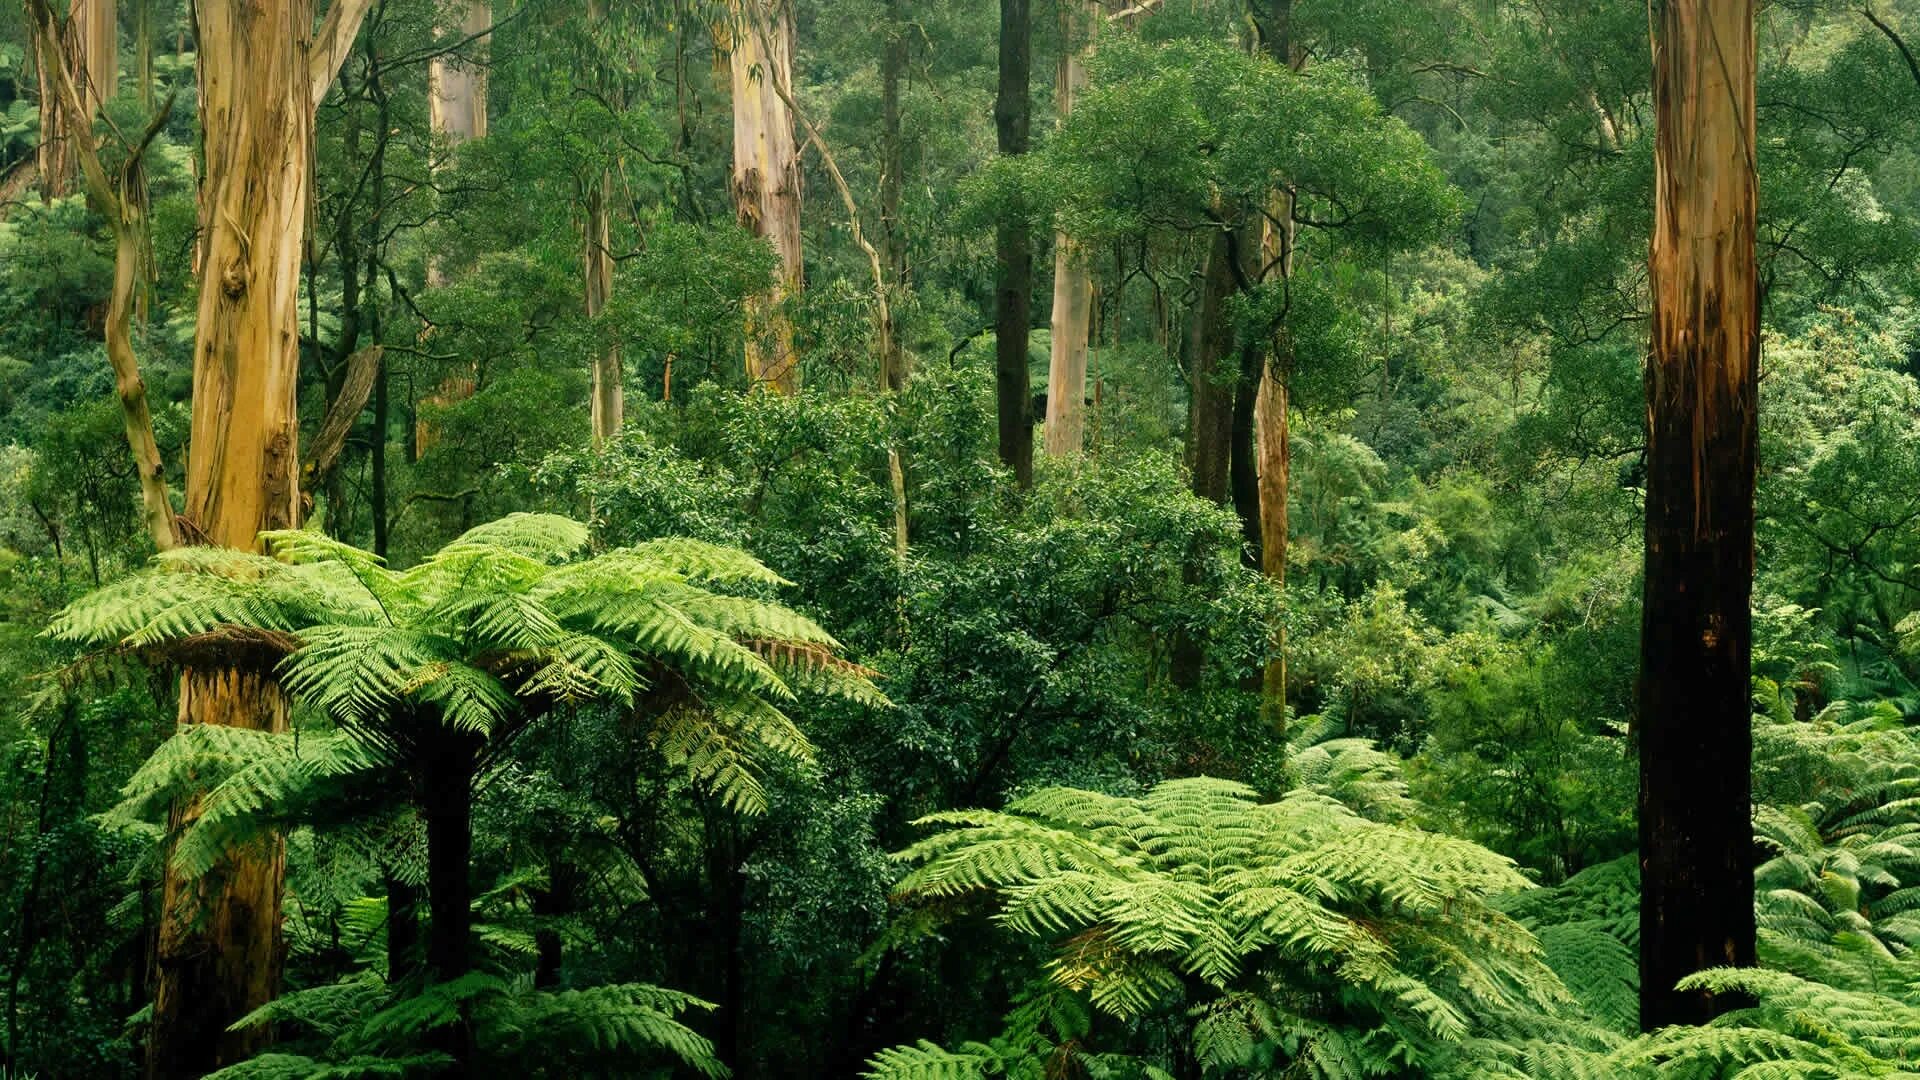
1694	723
766	178
260	82
1277	244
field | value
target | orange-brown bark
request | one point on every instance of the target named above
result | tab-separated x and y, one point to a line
1695	738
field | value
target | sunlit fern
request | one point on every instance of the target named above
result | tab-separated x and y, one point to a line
1299	921
494	630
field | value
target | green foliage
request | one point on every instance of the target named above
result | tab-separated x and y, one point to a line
496	626
1361	940
362	1031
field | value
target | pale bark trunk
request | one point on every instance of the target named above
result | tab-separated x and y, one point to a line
122	199
1072	283
457	97
457	102
89	47
608	402
260	81
257	120
766	178
1694	721
96	28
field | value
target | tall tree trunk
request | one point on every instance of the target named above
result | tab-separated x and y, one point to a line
766	178
1013	247
457	85
457	94
90	45
260	82
96	28
122	198
1210	382
1277	236
1072	283
143	51
1695	715
218	955
257	121
893	240
608	404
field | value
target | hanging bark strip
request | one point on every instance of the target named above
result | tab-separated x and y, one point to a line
766	179
1695	715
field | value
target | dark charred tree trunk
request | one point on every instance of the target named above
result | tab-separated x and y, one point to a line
1013	245
1695	715
1243	453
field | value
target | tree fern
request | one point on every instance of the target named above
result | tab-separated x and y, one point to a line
356	1025
1348	926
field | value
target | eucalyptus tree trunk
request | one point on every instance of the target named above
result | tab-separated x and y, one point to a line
90	47
219	950
1072	283
457	88
608	403
219	953
766	178
1277	238
1695	716
1013	248
1211	379
122	199
457	96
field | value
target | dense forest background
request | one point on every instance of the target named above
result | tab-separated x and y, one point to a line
1194	451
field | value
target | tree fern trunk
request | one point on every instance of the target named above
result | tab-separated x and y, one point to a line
448	762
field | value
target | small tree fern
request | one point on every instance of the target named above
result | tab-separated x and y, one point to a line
1297	930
